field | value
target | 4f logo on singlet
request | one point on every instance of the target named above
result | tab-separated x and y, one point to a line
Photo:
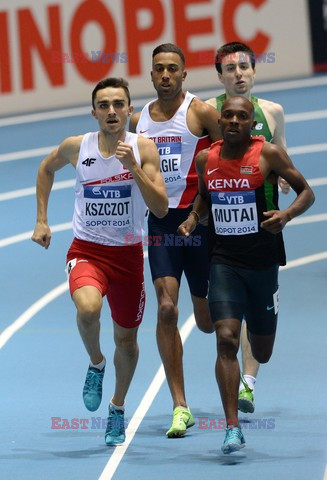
89	161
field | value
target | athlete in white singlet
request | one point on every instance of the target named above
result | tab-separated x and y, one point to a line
181	125
117	177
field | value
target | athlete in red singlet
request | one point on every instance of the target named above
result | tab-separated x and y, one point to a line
245	243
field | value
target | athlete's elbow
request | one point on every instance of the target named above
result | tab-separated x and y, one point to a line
161	211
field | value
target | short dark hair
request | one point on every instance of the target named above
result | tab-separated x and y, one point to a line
111	82
169	48
233	47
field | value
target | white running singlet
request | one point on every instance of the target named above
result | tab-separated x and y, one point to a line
177	148
108	202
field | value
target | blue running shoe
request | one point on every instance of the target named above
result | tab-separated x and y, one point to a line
234	440
92	391
115	433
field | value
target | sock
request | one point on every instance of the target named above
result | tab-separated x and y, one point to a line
116	407
100	366
249	380
182	407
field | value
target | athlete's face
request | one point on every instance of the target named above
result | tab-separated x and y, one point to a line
237	74
236	120
111	109
167	74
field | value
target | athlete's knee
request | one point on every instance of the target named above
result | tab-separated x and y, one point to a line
167	312
127	343
228	341
88	310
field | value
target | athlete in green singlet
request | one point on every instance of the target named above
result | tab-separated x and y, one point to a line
235	64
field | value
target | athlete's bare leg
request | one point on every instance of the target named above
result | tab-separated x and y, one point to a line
168	337
125	360
88	301
227	367
202	314
249	364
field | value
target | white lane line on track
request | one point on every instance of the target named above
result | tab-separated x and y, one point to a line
146	402
301	149
305	116
317	182
41	152
140	102
30	312
21	154
319	217
50	296
21	237
299	262
8	332
25	192
159	378
270	87
142	409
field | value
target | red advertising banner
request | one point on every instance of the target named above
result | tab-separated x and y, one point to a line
53	52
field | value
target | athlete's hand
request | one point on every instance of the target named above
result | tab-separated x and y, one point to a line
42	235
284	186
276	221
125	154
187	227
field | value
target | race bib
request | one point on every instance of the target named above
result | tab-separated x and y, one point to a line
234	213
170	161
107	206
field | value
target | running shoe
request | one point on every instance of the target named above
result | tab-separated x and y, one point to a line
115	433
234	440
182	419
92	391
246	398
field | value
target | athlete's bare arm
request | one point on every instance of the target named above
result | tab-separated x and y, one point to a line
134	121
66	153
275	159
147	177
200	205
274	114
202	119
